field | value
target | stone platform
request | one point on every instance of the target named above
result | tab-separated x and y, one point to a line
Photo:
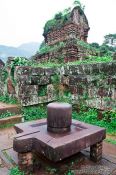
80	163
33	136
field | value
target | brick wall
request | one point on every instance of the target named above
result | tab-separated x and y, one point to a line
91	84
36	85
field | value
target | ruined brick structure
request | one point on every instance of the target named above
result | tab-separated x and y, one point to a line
67	29
76	26
93	84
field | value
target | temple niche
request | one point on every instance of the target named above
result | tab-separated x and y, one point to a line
64	37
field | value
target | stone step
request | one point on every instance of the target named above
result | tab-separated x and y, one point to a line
16	109
11	120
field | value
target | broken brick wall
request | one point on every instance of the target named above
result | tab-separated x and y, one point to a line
36	85
91	84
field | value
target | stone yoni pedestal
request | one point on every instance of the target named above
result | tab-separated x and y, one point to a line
56	138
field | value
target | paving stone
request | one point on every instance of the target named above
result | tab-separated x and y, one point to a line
105	166
4	171
0	161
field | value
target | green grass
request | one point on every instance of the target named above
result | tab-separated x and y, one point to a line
6	114
34	113
90	116
6	126
7	99
16	171
111	141
91	60
70	172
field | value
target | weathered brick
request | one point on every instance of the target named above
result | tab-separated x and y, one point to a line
23	70
50	71
51	93
28	90
24	80
65	80
29	100
38	71
40	80
74	80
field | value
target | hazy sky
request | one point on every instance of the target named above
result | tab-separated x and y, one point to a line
22	21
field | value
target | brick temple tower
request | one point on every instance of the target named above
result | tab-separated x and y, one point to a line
75	25
61	36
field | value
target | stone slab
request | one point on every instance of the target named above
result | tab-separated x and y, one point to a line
4	171
9	107
56	147
79	162
6	138
11	120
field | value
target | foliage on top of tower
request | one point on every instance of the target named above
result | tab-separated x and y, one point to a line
62	18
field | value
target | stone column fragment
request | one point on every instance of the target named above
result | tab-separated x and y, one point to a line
96	152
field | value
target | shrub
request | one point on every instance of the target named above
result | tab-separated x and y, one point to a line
16	171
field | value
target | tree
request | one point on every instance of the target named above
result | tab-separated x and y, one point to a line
66	11
58	16
95	45
105	50
110	39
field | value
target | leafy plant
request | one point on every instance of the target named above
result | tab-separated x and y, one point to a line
16	171
6	114
78	3
42	91
55	79
70	172
7	99
90	116
34	113
17	61
58	16
45	48
4	74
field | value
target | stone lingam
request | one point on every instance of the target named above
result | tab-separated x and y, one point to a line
57	137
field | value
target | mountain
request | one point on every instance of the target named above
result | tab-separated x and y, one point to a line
24	50
31	47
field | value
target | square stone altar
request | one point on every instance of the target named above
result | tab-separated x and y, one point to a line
57	143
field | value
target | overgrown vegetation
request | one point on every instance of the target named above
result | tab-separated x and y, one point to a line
45	48
87	115
6	114
42	91
91	116
111	141
7	99
61	18
34	113
16	171
17	61
90	60
6	126
93	48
